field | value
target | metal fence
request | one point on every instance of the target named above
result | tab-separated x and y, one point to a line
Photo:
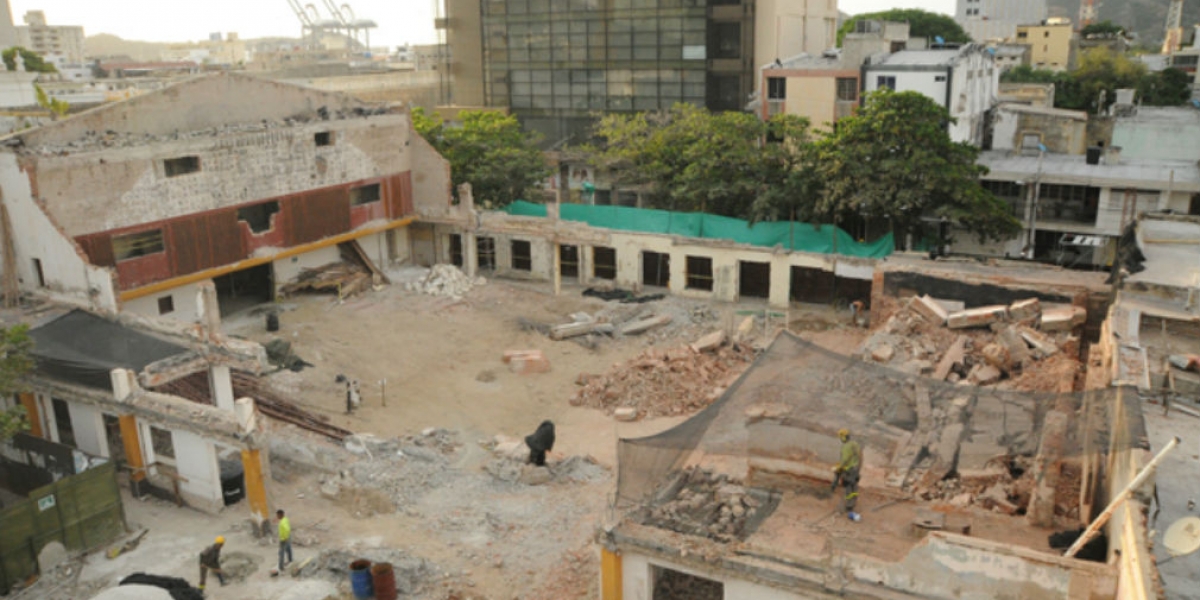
82	512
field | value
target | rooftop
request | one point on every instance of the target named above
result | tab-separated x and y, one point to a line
1181	176
1184	115
1077	115
1172	257
942	58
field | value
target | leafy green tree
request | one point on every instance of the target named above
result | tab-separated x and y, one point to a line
1102	29
490	151
894	160
1169	87
58	108
690	159
14	363
34	62
922	24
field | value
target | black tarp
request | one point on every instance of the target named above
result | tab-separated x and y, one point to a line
83	348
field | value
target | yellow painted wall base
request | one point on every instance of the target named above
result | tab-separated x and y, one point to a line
133	446
29	401
256	489
610	575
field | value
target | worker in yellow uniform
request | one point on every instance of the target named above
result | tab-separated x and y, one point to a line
285	538
846	472
210	560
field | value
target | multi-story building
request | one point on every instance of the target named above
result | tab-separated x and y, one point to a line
986	20
216	50
555	64
825	87
65	41
227	178
1050	44
963	79
8	31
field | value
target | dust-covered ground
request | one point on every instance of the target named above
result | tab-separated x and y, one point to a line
436	482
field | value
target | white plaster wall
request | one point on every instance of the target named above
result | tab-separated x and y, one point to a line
68	276
375	246
288	269
196	461
637	580
923	82
184	298
401	246
89	436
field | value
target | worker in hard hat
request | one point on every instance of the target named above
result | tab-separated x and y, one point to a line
846	471
210	560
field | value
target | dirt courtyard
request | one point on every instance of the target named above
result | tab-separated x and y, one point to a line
428	491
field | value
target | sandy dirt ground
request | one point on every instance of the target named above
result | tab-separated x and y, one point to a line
461	520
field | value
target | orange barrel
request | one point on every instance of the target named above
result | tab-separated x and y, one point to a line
384	579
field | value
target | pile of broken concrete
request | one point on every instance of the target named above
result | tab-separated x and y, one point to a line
672	382
1023	346
709	505
446	281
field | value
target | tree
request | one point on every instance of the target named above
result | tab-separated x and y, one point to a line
14	363
1102	29
922	24
690	159
58	108
33	61
490	151
1102	70
1169	87
894	160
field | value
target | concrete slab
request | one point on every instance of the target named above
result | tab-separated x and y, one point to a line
1177	483
977	317
930	309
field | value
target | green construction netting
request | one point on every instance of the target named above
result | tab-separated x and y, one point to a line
804	237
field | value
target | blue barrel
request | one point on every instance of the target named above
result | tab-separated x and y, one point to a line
360	579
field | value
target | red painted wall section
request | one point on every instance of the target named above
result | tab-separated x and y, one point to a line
215	238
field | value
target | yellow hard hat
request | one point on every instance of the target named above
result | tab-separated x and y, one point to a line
220	539
843	433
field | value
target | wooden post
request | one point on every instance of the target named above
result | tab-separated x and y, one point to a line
256	489
1124	495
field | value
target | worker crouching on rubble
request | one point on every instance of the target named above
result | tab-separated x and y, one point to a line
846	472
210	560
540	442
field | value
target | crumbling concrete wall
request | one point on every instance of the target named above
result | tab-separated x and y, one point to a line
432	193
183	298
196	461
64	270
97	189
289	268
204	102
545	234
1128	544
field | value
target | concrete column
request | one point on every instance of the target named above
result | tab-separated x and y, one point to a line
470	252
256	488
124	383
221	384
208	308
781	280
133	453
610	575
29	402
678	281
1046	470
587	259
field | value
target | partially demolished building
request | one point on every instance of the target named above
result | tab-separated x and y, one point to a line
961	488
228	178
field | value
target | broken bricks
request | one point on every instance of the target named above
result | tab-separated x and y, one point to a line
977	317
523	362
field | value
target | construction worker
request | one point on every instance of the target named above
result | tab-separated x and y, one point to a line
846	472
210	560
285	538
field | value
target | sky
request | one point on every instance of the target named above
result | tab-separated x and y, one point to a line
400	21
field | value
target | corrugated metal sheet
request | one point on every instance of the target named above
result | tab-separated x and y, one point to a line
204	241
398	189
98	248
316	214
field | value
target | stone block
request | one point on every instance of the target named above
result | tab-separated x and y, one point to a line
1062	318
930	309
1042	345
952	357
1022	310
625	413
883	353
524	362
1018	350
977	317
951	306
711	341
985	374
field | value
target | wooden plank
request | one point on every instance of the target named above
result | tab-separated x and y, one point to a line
952	356
366	260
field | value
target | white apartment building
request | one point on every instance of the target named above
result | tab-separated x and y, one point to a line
55	42
998	19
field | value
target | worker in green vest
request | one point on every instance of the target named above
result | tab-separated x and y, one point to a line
846	472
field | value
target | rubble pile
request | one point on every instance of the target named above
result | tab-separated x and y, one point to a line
396	471
711	506
660	383
1026	346
444	280
510	465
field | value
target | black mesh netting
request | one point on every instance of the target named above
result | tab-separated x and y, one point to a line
927	438
83	348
